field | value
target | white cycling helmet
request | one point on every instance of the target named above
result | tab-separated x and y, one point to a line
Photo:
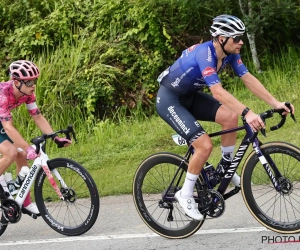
227	25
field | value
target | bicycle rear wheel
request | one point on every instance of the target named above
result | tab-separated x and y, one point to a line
152	179
79	210
277	210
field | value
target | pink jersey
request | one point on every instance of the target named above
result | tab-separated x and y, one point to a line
8	102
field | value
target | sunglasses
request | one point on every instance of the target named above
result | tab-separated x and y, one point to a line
237	39
29	83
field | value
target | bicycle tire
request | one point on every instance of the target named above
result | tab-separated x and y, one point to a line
152	177
277	211
79	211
2	226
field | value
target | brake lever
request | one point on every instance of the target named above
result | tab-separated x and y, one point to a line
292	115
263	131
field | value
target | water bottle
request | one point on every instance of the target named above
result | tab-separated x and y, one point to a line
21	176
211	174
10	184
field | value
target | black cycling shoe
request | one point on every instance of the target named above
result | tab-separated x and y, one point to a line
3	194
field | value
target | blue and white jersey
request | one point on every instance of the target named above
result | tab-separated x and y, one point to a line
197	67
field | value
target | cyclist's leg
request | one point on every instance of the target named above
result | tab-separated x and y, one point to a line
173	109
7	150
20	162
9	153
225	117
177	111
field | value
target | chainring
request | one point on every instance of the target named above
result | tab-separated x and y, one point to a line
214	203
11	211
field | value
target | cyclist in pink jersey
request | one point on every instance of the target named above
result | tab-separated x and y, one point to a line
19	90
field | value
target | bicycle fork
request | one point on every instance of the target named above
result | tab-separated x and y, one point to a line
52	181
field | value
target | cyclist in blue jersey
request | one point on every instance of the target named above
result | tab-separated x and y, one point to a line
181	103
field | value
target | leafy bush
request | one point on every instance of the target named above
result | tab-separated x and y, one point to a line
105	55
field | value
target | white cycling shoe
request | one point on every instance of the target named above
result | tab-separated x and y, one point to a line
32	208
189	206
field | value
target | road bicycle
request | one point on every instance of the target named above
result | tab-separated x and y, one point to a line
65	193
269	184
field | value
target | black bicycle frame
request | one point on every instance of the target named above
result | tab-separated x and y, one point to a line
234	163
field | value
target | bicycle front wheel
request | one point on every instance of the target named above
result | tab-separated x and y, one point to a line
152	180
277	209
79	210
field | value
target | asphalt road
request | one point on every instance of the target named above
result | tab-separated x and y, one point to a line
120	227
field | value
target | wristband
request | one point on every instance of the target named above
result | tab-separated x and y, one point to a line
245	111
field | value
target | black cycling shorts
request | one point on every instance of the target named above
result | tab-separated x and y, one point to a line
3	135
182	112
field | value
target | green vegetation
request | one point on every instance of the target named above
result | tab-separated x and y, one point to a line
100	60
102	54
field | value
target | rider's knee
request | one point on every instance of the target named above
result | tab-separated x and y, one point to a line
233	119
203	144
230	120
10	153
226	117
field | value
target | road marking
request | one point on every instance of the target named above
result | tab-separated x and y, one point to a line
127	236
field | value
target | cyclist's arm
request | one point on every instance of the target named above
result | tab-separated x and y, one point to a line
255	86
42	123
236	106
36	115
227	99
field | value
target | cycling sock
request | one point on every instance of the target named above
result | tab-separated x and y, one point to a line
3	183
5	188
187	189
27	200
228	150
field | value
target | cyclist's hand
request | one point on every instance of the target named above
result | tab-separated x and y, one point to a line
254	121
281	105
62	142
31	154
